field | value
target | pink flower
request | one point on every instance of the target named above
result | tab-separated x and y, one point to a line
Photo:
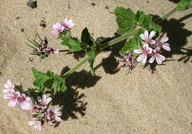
9	85
54	114
146	50
148	37
55	51
157	56
67	24
163	43
127	60
12	96
43	102
36	124
58	28
26	102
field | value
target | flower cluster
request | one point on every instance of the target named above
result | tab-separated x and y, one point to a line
59	27
128	60
40	47
40	106
44	48
152	48
15	97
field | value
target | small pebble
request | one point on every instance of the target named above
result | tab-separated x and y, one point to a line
22	29
17	18
30	59
107	7
32	4
69	6
93	4
43	24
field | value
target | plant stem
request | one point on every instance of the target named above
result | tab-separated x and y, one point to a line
103	46
165	16
119	39
77	66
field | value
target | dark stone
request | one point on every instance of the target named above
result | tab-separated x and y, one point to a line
32	4
93	4
22	29
43	24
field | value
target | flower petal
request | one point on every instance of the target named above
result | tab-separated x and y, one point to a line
164	39
12	103
146	34
151	34
166	46
144	59
138	51
142	36
140	57
151	60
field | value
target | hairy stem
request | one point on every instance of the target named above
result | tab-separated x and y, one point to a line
103	46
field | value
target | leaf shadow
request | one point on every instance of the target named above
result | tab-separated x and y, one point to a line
71	100
71	103
109	63
175	1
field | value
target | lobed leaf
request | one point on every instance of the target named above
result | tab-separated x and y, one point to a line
48	80
147	22
129	46
73	43
184	4
126	19
93	48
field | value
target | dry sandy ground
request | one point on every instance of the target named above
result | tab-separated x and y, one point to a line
111	102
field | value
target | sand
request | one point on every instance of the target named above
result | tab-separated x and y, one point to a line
145	101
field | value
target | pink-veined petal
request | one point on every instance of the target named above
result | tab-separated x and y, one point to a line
48	100
58	119
55	32
151	34
144	59
31	123
146	35
151	60
158	60
150	50
164	39
140	57
138	51
166	46
142	36
152	42
161	57
12	103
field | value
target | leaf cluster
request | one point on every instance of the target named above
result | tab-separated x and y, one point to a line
48	80
127	20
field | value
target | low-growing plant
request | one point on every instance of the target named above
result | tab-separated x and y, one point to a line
144	42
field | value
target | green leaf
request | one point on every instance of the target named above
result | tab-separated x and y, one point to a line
73	43
41	79
93	48
146	21
126	19
184	4
129	46
48	80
